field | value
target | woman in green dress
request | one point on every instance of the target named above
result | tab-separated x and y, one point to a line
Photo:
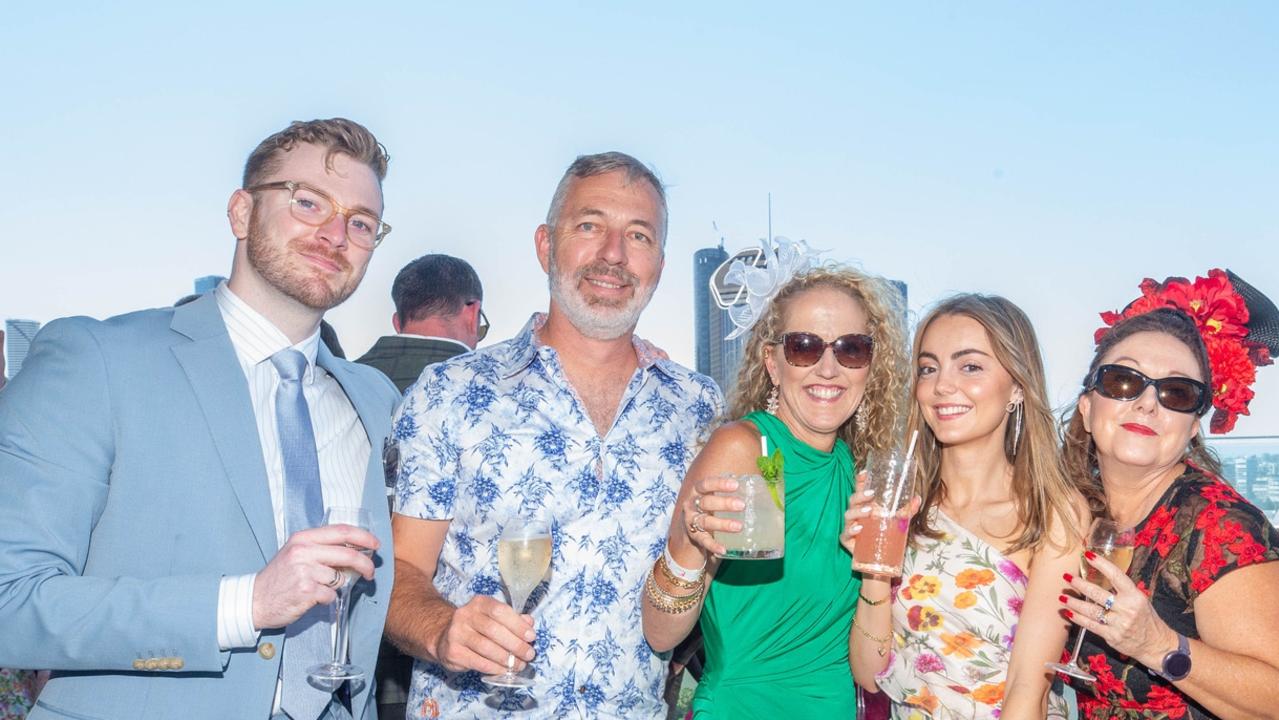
823	381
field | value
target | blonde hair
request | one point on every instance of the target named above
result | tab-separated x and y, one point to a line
335	135
1041	492
883	402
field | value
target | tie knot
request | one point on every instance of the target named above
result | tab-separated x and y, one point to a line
289	363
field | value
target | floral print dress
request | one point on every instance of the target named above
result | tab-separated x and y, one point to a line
955	616
1200	530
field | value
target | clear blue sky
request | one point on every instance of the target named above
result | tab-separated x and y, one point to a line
1055	155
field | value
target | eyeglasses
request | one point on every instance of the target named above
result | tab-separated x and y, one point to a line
482	328
314	207
805	349
1179	394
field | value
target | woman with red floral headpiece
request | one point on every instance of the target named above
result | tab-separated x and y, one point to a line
1192	630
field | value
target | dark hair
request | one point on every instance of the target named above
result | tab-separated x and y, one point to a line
606	162
434	285
338	135
1079	454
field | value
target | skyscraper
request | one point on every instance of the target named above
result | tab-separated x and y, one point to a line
18	335
705	262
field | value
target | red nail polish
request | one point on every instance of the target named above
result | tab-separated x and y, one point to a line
1090	554
1069	614
1062	598
1068	577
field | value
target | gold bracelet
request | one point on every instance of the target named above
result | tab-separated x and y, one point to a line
882	642
666	602
673	579
872	603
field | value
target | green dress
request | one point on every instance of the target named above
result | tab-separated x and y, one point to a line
776	631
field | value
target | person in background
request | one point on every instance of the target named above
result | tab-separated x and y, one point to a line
438	314
968	629
1190	630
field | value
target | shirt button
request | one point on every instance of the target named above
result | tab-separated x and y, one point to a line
581	689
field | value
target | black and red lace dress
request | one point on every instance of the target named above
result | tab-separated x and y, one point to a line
1199	530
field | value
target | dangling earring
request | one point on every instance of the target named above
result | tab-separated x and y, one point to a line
771	406
1016	409
861	415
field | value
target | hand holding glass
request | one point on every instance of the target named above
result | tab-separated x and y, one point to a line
881	545
334	672
763	534
1115	543
523	557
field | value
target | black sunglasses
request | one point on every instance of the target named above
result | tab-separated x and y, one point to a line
1179	394
804	349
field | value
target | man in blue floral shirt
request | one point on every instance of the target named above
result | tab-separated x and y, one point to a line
575	423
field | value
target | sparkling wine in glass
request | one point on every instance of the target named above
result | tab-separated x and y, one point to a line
1114	542
523	557
331	674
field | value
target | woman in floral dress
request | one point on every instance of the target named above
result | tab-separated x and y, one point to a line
1192	630
966	632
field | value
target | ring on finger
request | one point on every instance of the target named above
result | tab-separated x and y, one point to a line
1101	616
337	579
697	503
695	524
1110	602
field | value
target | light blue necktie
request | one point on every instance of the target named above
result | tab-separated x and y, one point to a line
307	641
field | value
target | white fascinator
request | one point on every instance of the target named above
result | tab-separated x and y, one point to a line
750	284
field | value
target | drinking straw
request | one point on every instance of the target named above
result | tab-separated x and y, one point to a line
901	481
763	445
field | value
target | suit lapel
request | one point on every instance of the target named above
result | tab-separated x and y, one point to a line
220	387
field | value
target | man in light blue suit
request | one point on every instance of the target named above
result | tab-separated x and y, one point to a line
164	474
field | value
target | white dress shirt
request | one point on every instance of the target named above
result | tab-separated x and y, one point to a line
340	439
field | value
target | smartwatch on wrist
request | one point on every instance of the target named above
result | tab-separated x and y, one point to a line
1176	664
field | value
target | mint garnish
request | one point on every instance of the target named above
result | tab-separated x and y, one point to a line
771	470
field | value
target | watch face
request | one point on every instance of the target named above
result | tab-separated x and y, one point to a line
1177	665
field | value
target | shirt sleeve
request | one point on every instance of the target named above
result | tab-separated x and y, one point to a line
235	612
429	454
1230	533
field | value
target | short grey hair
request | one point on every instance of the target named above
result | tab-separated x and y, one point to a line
598	164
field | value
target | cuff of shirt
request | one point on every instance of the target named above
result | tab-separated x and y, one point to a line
235	612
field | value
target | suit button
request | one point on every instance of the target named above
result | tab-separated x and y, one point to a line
266	650
152	664
177	663
139	664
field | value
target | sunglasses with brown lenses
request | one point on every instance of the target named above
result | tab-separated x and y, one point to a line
805	349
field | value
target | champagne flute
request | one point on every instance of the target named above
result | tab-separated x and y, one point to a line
523	557
1115	543
338	669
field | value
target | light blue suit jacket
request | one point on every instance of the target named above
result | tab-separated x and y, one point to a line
131	481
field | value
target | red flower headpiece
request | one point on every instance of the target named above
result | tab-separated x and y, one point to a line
1225	309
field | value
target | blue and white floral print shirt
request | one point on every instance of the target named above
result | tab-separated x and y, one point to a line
499	434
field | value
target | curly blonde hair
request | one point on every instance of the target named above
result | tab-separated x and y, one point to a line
884	399
1041	490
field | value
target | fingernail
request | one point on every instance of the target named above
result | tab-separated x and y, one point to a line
856	528
1069	614
868	493
1068	577
530	636
1062	599
1090	554
865	509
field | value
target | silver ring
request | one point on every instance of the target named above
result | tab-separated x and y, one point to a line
336	581
1101	616
697	503
694	525
1110	601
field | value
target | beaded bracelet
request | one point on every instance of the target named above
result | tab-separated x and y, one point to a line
868	601
674	579
667	603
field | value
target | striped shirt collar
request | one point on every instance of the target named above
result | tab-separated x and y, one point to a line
256	338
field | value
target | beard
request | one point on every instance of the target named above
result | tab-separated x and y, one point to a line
598	318
280	265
